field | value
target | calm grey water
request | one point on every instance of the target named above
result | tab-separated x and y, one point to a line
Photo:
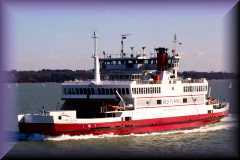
217	140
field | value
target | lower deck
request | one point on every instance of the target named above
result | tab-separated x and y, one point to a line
125	126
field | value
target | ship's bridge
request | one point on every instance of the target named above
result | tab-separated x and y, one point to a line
130	63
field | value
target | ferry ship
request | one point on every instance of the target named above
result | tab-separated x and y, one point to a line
130	94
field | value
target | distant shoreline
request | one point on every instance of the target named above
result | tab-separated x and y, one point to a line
59	76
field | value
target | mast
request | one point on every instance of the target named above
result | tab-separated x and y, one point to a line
143	48
174	45
176	56
132	53
94	43
123	36
96	60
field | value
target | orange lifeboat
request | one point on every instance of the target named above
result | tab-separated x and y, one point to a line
156	78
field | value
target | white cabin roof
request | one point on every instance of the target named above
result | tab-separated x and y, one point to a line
105	82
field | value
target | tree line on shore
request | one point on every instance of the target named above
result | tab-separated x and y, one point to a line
59	76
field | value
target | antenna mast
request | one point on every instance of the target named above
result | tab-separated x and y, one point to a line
96	63
174	45
143	48
132	53
94	43
123	36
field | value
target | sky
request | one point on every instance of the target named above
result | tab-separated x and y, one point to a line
58	35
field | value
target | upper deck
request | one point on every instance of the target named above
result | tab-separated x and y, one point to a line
134	76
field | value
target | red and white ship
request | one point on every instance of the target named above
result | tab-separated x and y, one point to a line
130	94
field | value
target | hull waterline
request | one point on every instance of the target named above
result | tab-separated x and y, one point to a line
123	128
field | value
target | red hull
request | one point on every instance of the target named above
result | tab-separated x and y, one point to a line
124	127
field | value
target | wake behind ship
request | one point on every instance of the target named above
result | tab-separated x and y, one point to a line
130	94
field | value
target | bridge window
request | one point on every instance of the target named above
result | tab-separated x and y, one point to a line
65	90
84	90
119	90
151	61
80	91
184	100
99	91
92	90
72	91
134	90
103	91
107	91
77	90
159	101
123	90
127	91
88	91
111	91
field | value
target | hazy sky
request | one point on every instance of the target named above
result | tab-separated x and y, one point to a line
58	35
